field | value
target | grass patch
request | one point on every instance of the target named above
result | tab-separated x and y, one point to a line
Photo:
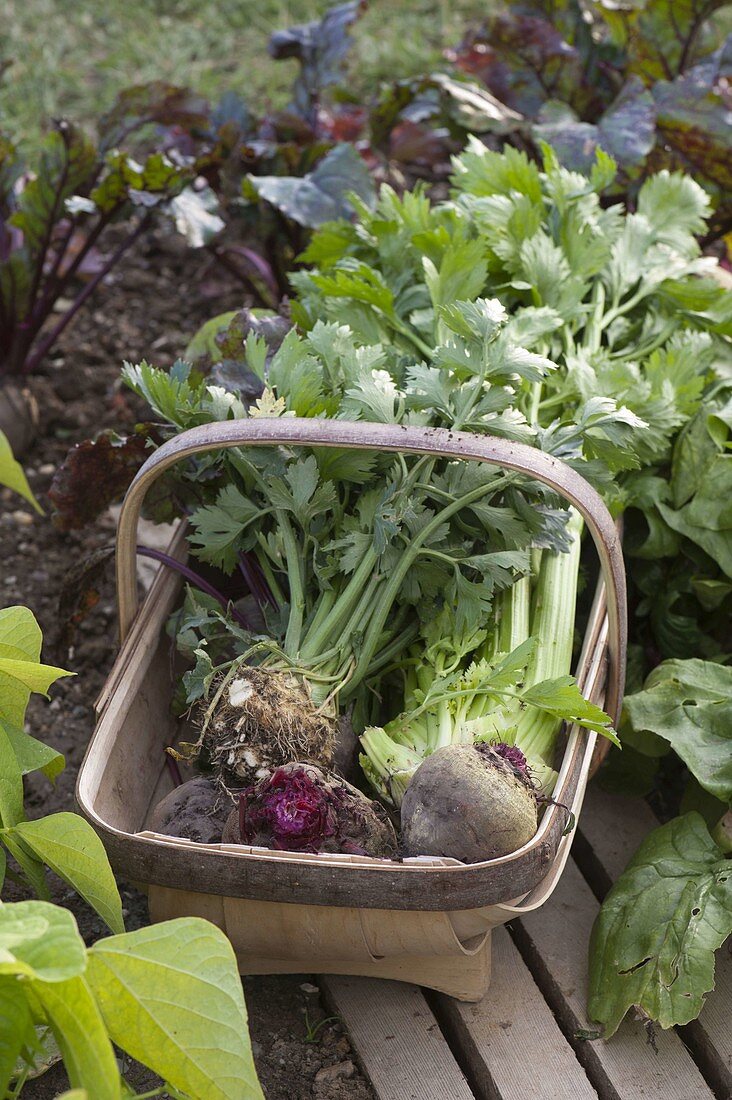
72	59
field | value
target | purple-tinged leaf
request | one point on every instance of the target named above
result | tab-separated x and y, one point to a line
322	195
662	38
321	47
695	118
95	474
627	130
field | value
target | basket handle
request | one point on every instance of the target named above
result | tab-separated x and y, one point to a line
363	435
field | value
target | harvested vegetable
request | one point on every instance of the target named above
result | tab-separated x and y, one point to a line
357	553
302	808
196	810
259	719
469	802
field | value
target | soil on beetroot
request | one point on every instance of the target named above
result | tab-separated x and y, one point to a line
149	308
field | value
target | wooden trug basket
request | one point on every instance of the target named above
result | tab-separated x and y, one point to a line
425	920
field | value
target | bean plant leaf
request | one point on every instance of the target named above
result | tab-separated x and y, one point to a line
11	782
322	195
20	669
653	943
40	941
171	997
70	847
15	1027
689	704
33	755
12	475
79	1030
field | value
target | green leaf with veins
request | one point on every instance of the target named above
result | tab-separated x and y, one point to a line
689	705
653	943
323	194
21	672
68	845
12	475
219	529
562	699
40	941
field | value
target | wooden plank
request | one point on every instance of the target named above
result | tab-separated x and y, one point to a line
553	941
510	1044
610	830
397	1039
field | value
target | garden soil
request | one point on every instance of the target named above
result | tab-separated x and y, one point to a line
149	308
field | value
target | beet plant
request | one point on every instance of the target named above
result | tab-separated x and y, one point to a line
58	212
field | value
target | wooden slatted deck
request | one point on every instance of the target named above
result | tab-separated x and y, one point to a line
521	1042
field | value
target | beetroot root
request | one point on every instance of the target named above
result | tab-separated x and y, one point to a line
471	803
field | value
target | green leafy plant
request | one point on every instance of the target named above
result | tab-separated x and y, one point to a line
623	302
643	82
93	999
654	940
365	585
88	999
57	212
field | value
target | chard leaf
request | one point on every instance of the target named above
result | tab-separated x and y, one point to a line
196	215
67	162
324	194
626	132
662	37
707	518
321	47
171	996
689	705
653	942
95	474
693	117
156	101
562	699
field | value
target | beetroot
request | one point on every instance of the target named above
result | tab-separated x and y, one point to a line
469	802
197	810
301	808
